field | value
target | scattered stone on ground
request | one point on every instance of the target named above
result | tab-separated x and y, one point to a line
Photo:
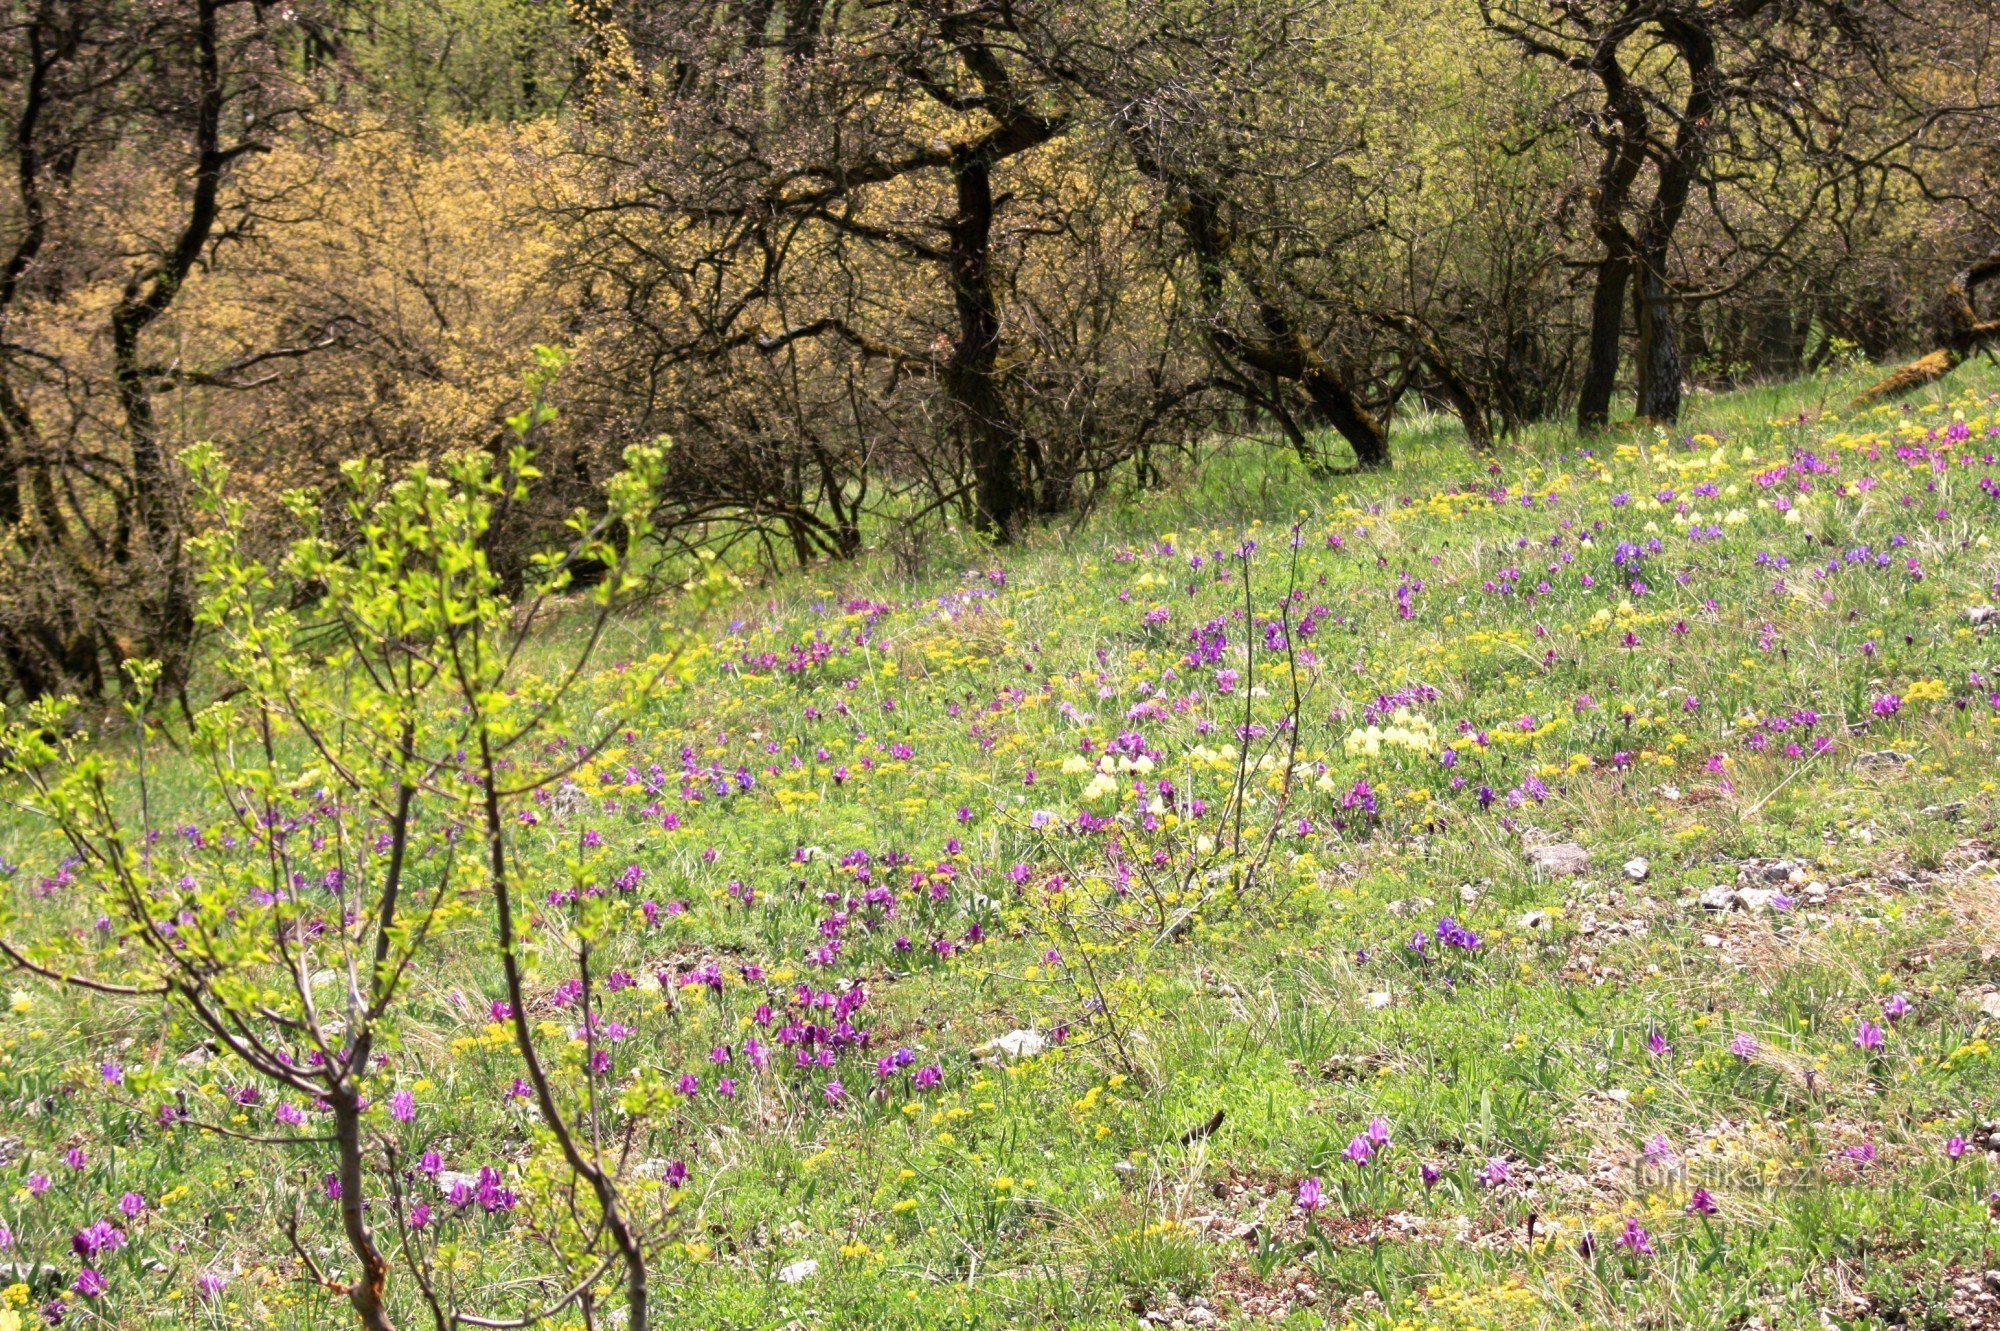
1013	1045
1563	859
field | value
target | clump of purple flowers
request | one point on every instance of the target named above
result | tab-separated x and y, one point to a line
102	1236
1635	1240
1360	796
1450	933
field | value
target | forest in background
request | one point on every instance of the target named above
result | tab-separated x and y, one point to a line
875	266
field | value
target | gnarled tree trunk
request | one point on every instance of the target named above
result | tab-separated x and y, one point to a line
1659	358
1624	156
1660	364
1607	330
971	377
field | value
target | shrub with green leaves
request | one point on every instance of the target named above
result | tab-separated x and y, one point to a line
357	796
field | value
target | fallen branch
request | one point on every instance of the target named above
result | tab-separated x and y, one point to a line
1959	331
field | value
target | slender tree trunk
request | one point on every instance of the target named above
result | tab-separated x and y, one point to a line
1624	158
1659	348
999	463
14	444
157	491
365	1292
147	296
846	518
624	1234
16	429
1607	330
1056	479
1641	331
800	535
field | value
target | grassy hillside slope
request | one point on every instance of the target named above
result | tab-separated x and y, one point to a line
1557	890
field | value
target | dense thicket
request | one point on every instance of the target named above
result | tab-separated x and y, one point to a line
906	262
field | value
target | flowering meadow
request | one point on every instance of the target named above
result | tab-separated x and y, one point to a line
1547	888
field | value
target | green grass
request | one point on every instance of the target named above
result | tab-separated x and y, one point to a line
1071	1188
